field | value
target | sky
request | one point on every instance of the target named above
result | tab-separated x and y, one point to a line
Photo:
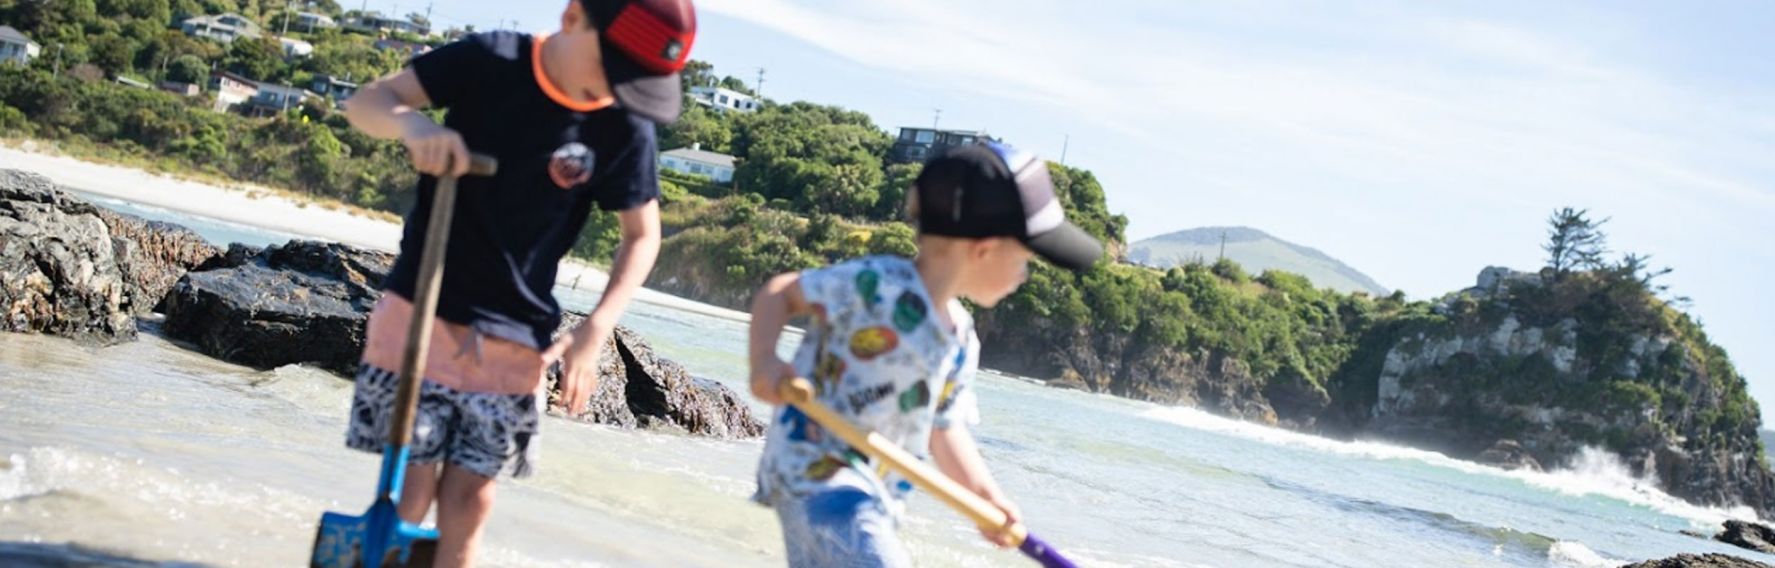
1417	142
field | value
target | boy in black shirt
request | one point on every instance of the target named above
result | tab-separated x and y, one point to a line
570	118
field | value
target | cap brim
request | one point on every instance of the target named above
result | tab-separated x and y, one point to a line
658	98
1067	246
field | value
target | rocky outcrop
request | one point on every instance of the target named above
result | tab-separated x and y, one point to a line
1553	369
1698	561
308	303
302	302
1751	536
59	271
638	388
154	255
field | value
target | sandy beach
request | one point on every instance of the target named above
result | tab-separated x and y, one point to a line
263	207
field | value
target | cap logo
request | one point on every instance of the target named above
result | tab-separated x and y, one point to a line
649	40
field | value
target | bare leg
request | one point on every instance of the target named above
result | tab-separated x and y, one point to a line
418	491
464	501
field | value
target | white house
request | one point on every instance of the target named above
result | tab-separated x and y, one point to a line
374	22
224	28
723	100
273	98
308	21
16	48
697	161
294	48
232	90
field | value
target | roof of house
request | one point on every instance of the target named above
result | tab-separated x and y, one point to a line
946	131
9	34
217	20
236	78
704	156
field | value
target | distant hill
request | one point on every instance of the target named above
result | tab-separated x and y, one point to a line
1257	251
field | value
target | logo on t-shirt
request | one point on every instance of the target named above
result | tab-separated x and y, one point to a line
571	165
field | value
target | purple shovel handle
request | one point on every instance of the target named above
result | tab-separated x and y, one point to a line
1047	555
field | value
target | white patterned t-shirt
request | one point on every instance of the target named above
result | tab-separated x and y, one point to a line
880	357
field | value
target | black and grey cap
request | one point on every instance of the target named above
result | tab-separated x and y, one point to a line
993	190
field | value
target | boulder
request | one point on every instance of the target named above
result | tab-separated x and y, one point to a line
301	302
308	303
638	388
1510	455
154	255
59	270
1751	536
1699	561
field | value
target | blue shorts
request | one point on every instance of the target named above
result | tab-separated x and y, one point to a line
841	527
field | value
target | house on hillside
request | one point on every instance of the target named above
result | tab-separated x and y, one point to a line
224	28
697	161
310	21
294	48
407	48
330	86
915	145
274	99
16	48
373	23
231	90
723	100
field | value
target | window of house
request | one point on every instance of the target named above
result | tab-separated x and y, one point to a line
723	99
966	140
926	137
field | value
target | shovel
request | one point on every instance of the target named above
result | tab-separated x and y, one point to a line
800	393
379	537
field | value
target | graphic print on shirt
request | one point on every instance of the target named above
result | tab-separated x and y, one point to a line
571	165
881	359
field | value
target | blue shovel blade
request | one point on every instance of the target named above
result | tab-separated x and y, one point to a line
375	539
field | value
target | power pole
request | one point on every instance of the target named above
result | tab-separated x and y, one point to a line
287	7
428	18
938	119
1063	144
58	61
1222	247
758	90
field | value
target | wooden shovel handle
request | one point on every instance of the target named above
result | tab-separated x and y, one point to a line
425	292
800	392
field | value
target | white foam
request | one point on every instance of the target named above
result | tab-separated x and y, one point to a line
1594	471
1576	555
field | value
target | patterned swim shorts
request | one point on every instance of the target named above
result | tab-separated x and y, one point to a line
480	432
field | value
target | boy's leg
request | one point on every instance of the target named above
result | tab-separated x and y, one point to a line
418	490
464	501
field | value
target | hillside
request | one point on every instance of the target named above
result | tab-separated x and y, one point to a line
1255	250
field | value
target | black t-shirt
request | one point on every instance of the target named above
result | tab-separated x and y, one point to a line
511	230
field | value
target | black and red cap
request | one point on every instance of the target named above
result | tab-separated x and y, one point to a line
993	190
646	43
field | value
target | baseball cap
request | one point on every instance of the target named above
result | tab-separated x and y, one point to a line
646	43
993	190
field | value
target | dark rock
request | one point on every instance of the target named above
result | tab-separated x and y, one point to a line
1699	561
59	269
154	255
308	303
1751	536
1510	455
302	302
638	388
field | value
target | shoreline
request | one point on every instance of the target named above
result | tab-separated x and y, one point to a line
270	209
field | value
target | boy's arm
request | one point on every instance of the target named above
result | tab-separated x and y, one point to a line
958	457
633	261
389	108
775	303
